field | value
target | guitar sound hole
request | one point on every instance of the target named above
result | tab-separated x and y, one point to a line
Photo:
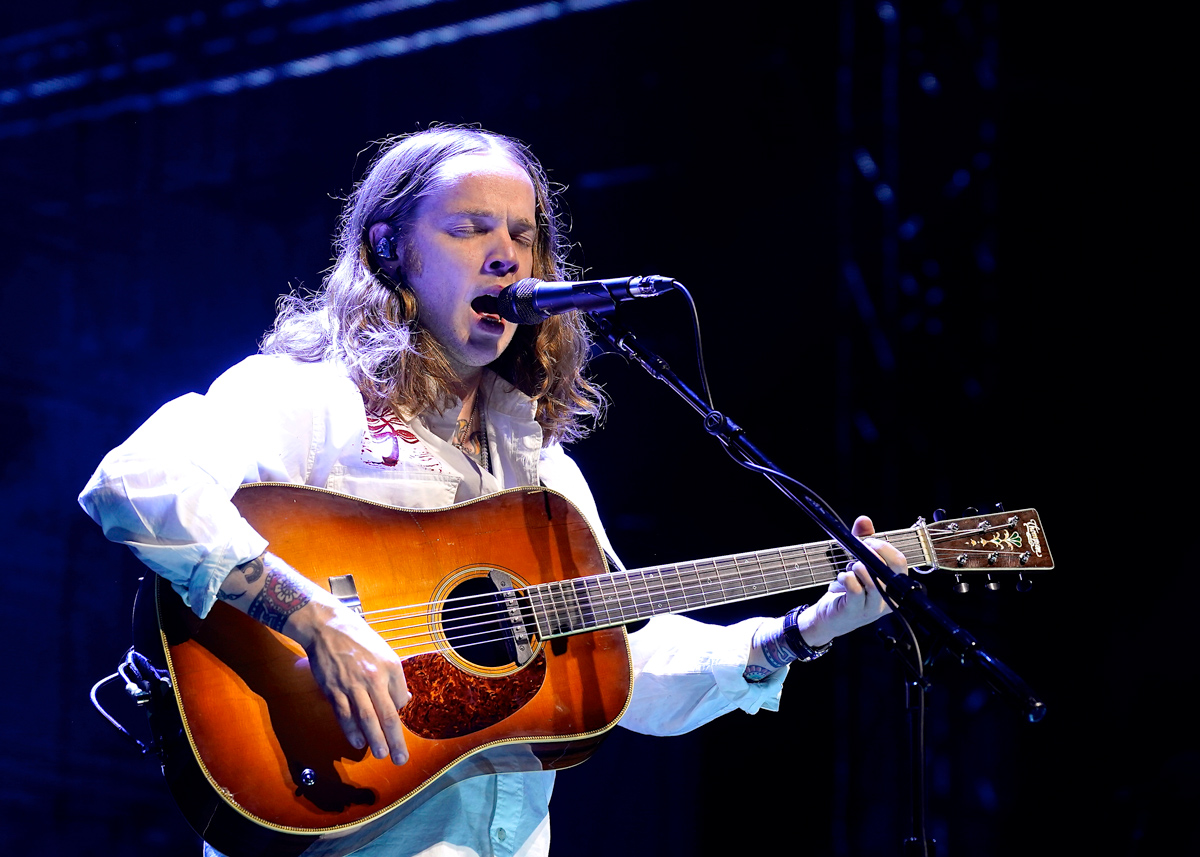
472	619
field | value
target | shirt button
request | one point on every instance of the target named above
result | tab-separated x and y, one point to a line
501	834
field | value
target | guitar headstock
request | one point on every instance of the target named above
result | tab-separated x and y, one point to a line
995	542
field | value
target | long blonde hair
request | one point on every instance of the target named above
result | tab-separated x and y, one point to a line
369	323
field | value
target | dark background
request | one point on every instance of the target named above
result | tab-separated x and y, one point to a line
906	227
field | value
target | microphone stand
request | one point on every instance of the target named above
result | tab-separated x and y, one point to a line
906	595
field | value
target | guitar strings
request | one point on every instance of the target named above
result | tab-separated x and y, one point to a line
624	599
747	558
529	612
597	598
910	539
558	605
612	583
729	577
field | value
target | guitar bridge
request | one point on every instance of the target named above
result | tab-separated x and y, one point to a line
517	639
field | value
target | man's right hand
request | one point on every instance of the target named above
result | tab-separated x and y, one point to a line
361	676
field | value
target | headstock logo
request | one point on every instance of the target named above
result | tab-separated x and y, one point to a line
1031	530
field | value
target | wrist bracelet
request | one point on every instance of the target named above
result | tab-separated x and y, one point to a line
795	640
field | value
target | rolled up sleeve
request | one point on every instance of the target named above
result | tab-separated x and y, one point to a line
166	491
686	673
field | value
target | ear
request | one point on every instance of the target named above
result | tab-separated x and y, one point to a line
381	240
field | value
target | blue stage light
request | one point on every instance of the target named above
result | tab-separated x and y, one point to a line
865	163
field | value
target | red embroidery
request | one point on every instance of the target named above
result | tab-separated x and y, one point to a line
382	443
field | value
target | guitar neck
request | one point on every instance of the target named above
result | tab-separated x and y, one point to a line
562	608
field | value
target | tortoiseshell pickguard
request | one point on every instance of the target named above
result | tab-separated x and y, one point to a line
448	702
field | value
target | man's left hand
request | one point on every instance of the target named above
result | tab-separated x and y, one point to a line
853	600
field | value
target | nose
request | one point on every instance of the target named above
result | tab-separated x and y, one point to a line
502	259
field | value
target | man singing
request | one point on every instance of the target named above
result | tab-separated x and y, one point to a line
391	385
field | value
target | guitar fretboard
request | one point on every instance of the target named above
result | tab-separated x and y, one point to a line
562	608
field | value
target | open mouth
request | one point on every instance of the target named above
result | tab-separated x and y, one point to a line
489	312
486	305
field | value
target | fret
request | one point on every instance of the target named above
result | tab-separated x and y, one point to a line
709	582
787	565
903	540
689	587
712	585
779	578
562	608
835	554
553	613
559	608
732	588
809	569
674	592
632	604
808	562
599	601
576	615
541	617
610	586
799	571
643	602
759	582
584	611
652	581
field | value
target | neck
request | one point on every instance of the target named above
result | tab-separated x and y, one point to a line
467	382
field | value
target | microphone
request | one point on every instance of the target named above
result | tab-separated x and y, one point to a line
531	300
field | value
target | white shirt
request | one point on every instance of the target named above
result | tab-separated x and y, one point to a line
166	493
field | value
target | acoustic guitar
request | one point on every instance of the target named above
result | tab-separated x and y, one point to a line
511	628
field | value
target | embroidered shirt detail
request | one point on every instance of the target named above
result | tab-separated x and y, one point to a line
388	440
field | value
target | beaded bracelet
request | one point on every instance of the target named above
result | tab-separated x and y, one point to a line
795	640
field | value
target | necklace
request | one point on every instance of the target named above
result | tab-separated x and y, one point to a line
470	436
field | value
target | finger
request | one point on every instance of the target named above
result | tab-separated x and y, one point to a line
398	687
368	721
889	554
852	583
344	713
865	589
393	731
863	526
874	601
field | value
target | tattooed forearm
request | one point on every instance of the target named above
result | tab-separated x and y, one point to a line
252	570
769	651
756	673
280	598
242	576
776	651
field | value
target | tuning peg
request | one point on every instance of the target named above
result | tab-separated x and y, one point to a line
960	585
939	515
969	511
1024	584
999	507
991	584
